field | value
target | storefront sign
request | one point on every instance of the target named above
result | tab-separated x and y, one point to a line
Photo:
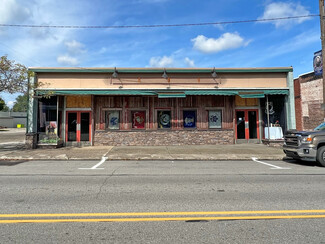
318	63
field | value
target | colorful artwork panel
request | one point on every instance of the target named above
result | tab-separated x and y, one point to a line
113	120
138	119
189	119
164	119
215	119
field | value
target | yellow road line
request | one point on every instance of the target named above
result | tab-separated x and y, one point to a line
161	213
10	221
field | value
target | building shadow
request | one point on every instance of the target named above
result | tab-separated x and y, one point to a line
301	162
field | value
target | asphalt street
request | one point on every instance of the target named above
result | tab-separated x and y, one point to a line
161	202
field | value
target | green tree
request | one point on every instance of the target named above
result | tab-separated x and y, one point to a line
3	106
13	76
21	104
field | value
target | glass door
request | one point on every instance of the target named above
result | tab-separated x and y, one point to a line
240	118
84	126
247	126
72	126
78	126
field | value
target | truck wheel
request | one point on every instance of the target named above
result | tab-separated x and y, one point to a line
321	156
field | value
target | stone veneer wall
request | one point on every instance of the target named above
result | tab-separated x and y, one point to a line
164	138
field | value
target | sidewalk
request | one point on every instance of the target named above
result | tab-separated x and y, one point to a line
12	147
192	152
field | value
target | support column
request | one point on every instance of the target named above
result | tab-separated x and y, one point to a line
290	103
31	130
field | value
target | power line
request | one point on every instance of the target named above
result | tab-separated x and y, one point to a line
155	26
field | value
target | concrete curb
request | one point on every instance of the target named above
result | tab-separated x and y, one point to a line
145	158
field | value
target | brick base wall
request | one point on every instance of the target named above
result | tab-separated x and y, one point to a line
163	138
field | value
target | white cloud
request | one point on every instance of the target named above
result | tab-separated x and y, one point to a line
67	60
282	9
74	47
189	62
12	11
10	104
161	61
211	45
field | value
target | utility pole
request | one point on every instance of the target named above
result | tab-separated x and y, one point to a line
322	37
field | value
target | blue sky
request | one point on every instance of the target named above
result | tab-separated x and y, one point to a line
258	44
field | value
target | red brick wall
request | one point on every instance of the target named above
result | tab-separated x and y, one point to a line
309	113
298	104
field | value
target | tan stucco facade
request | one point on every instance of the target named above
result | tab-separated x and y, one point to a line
155	81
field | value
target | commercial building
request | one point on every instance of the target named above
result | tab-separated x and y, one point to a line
157	106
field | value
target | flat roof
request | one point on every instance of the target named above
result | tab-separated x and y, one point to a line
160	70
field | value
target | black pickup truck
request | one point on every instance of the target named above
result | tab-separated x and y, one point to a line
306	145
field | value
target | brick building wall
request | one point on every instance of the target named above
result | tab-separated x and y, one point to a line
298	108
308	100
164	138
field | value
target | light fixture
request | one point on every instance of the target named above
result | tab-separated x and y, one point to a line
214	74
115	73
164	74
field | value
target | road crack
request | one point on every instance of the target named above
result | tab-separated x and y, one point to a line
105	181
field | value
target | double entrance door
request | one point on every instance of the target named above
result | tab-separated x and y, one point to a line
247	126
78	127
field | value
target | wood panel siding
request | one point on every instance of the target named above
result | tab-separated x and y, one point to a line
201	104
245	102
78	101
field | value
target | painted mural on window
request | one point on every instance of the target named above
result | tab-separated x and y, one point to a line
214	119
113	120
138	119
189	119
164	119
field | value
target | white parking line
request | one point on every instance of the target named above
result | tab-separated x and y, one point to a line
271	165
104	158
95	166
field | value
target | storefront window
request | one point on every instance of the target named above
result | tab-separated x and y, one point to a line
47	120
164	119
138	119
189	117
112	120
215	119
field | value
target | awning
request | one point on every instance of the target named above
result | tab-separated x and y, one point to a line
171	95
252	94
244	93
